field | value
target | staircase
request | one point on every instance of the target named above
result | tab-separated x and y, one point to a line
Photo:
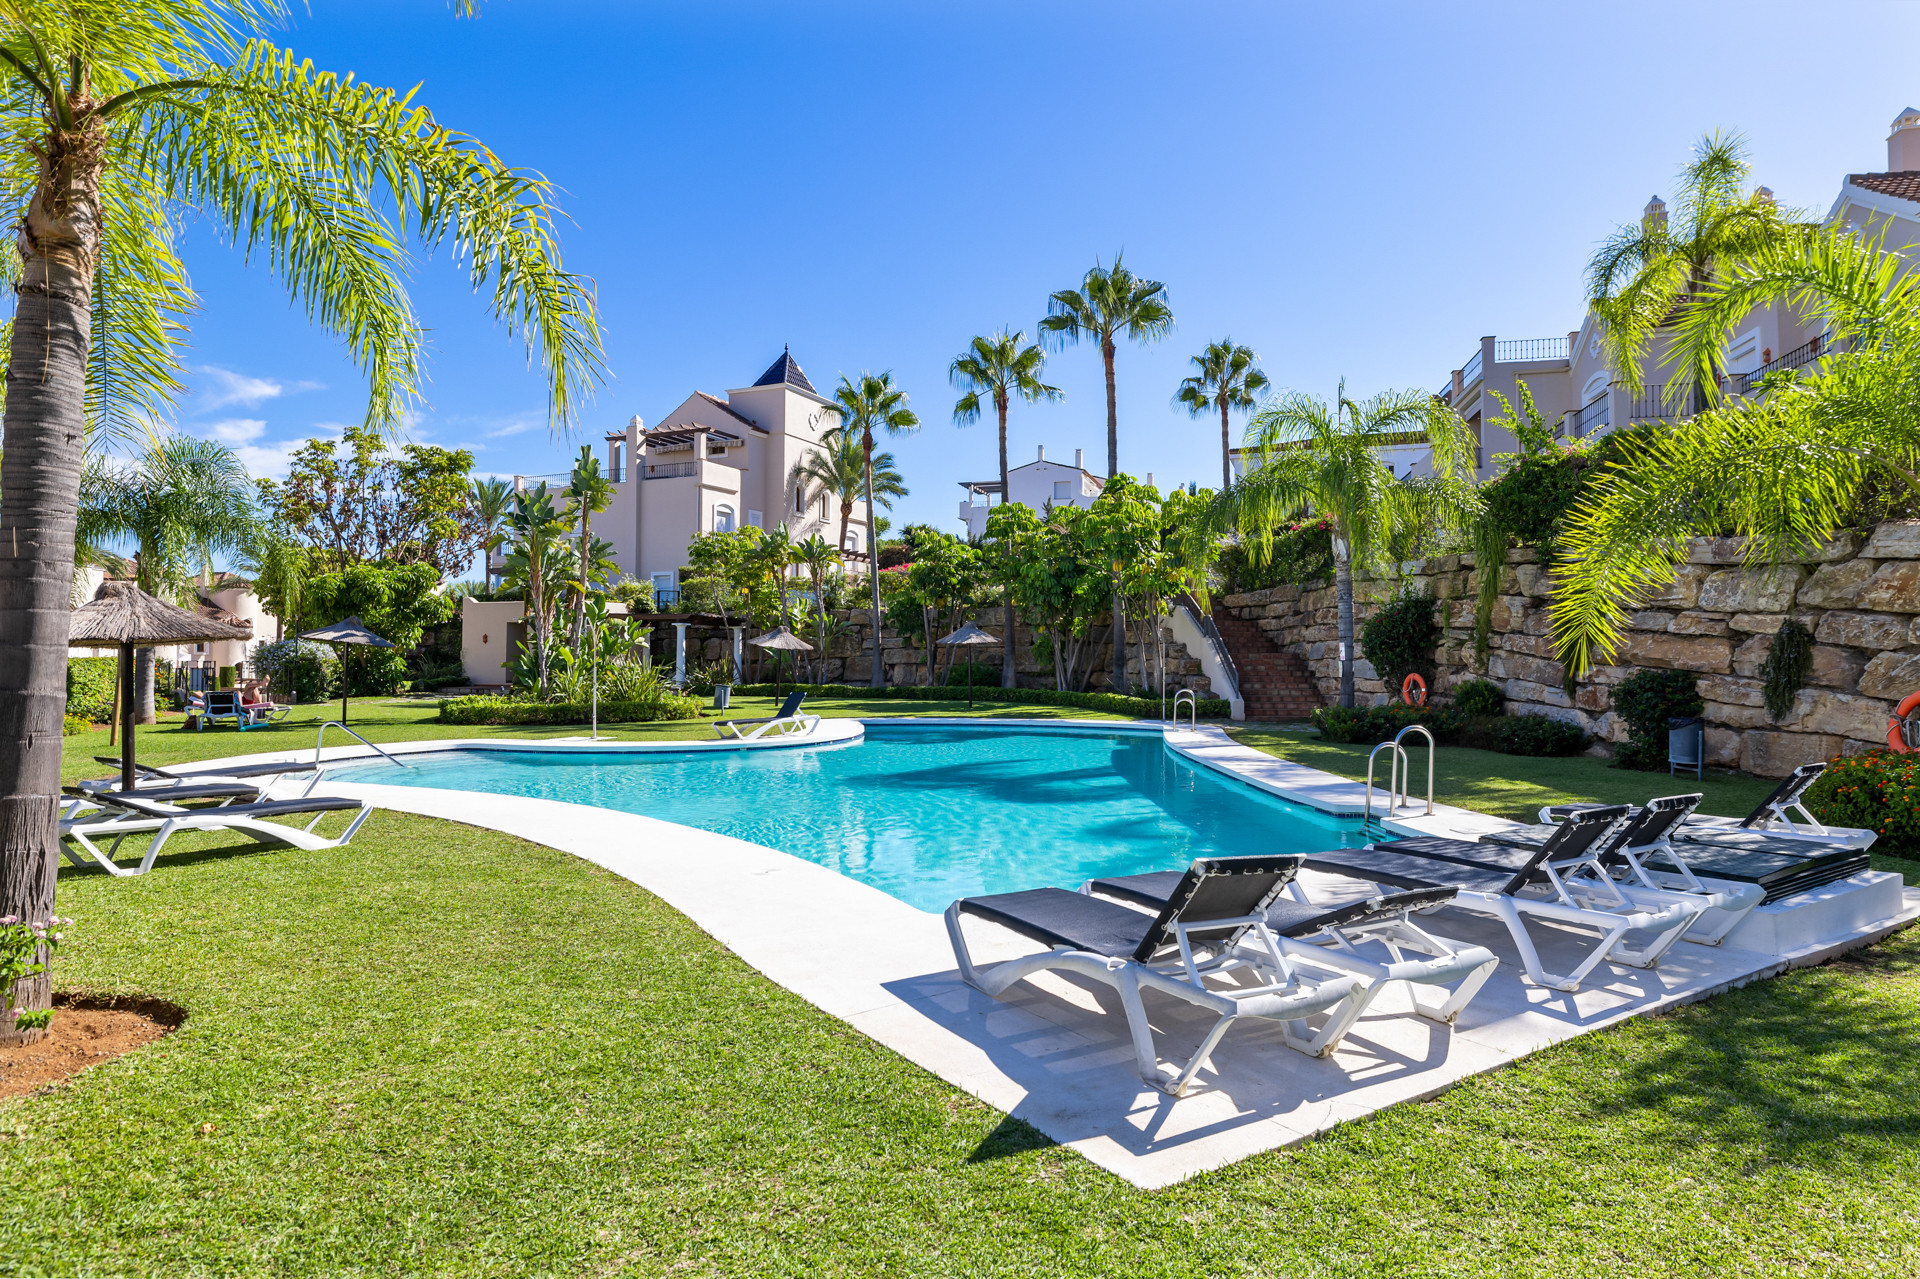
1274	684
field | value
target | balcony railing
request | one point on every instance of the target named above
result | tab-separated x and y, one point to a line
1590	417
1650	404
1521	350
665	596
672	470
1471	373
1802	355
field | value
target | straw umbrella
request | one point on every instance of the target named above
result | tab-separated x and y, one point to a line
122	615
968	636
347	631
780	639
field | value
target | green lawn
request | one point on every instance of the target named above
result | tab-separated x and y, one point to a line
446	1050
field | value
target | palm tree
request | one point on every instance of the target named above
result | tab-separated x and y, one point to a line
819	559
492	501
588	493
540	536
1326	458
1645	277
1106	305
873	402
1001	368
121	123
1785	468
182	502
1228	377
839	468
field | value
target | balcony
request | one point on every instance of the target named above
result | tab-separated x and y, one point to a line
1802	355
1471	373
1528	350
1651	405
671	470
1596	413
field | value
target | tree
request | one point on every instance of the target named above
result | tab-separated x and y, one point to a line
1784	468
1323	457
492	501
398	602
1645	277
539	532
1228	377
1053	568
124	121
838	467
1106	305
371	505
588	494
870	404
180	503
1000	368
819	558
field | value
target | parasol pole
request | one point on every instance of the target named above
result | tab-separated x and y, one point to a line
124	689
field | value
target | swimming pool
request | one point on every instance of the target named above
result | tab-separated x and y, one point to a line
923	814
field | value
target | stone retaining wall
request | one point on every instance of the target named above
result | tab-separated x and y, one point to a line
1860	595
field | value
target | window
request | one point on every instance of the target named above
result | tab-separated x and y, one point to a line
823	505
753	520
1062	491
799	500
722	518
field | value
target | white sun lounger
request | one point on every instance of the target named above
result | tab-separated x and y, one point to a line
140	815
787	722
1197	935
1772	816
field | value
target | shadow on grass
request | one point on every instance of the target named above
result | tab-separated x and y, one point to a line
1011	1137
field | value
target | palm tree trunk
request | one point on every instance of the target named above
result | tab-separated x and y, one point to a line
1343	593
1226	448
58	241
1119	644
878	678
1008	679
586	533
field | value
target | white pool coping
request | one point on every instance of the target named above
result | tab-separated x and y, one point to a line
1055	1053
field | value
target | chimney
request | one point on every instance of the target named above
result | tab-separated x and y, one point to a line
1149	479
1655	214
1903	144
1043	452
1080	459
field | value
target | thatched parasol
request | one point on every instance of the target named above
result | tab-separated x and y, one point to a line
121	615
349	630
780	639
968	636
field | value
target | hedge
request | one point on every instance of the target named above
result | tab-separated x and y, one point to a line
509	710
1208	707
1878	791
90	683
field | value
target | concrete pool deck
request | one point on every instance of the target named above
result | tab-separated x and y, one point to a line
1054	1052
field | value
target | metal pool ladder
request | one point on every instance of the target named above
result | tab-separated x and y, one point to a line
334	723
1186	698
1397	780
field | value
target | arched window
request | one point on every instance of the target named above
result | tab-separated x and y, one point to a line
799	499
722	518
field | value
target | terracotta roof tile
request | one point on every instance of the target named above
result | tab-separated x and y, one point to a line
1901	186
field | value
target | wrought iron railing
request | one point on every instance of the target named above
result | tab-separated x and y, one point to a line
1520	350
665	595
1804	354
672	470
1590	417
1650	403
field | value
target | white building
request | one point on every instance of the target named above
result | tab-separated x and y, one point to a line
1038	484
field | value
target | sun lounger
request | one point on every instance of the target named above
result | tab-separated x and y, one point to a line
1561	881
1385	921
153	779
1649	832
1771	816
789	721
141	814
1218	904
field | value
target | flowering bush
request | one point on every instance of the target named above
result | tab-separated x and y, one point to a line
20	956
1878	791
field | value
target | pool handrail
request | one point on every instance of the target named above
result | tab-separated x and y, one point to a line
1407	778
1185	697
1398	782
320	736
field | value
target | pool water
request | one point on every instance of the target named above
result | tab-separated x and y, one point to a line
923	814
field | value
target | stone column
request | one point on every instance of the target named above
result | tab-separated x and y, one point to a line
679	652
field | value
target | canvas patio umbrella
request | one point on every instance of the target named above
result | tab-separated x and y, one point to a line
123	616
349	630
780	639
968	636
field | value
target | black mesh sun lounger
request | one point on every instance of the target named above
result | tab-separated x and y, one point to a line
151	813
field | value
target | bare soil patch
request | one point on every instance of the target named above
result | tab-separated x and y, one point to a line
86	1030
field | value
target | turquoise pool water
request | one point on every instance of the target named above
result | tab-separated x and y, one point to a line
924	814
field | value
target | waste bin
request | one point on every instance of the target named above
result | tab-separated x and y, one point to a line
1687	745
722	696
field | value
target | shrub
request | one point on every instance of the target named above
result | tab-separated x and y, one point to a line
301	670
71	724
983	675
1300	554
1789	662
1538	735
511	710
1878	791
1646	700
1208	707
1400	638
90	682
1479	697
1369	724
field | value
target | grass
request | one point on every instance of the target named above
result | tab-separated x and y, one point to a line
444	1050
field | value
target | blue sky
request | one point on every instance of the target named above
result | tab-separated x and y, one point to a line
1354	191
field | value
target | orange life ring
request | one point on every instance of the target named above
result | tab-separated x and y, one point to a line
1896	727
1413	681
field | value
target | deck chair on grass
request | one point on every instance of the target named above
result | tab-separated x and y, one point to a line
1218	904
137	814
1344	937
1772	816
1561	882
1629	854
788	721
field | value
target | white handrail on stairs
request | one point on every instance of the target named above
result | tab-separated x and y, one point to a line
1203	640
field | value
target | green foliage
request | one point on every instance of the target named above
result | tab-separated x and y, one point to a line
1479	697
26	950
1878	791
1538	735
634	593
1400	638
396	602
720	573
1646	700
509	710
90	682
300	670
1367	725
71	724
1789	662
1301	554
1144	707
